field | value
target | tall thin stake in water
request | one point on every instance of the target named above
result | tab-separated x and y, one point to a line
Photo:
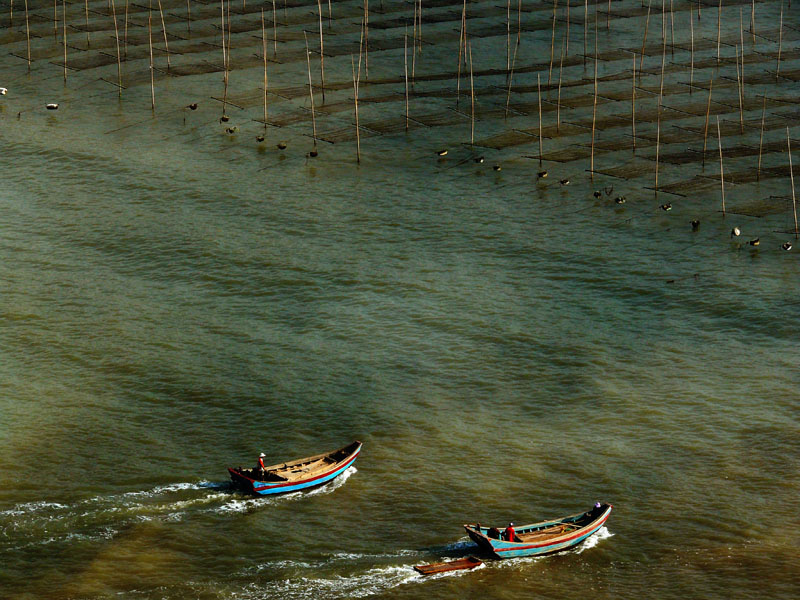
86	15
558	99
224	56
658	140
539	95
188	17
472	100
510	79
753	22
552	43
264	56
125	42
594	102
691	67
405	69
761	138
311	93
414	43
672	28
355	102
164	29
64	35
585	33
119	57
708	111
721	171
152	75
644	39
55	19
508	35
791	175
28	35
366	38
780	45
739	91
460	49
719	29
321	51
274	31
566	35
633	103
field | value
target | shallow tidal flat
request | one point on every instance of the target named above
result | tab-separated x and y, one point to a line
178	294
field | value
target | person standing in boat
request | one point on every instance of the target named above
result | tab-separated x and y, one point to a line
508	534
260	464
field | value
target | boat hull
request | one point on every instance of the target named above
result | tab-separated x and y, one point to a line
270	488
506	549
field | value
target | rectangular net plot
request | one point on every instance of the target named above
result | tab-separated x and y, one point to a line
442	118
772	205
738	177
630	170
605	122
688	187
390	126
345	134
565	155
200	68
507	139
556	131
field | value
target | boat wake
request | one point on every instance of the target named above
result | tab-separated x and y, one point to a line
593	540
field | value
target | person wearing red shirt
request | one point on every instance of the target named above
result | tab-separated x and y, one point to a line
261	464
508	534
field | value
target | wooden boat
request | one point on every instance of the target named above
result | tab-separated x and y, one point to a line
295	475
541	538
454	565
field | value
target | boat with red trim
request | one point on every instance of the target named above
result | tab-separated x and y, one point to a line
296	475
541	538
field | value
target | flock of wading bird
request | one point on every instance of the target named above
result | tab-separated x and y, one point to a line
229	30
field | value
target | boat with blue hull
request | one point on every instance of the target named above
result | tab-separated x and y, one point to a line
541	538
296	475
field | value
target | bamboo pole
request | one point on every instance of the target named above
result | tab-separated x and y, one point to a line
644	40
164	29
558	99
264	56
224	56
55	19
366	38
633	103
274	31
658	140
539	95
761	138
608	16
125	46
419	26
414	43
28	35
566	35
780	45
510	79
708	110
691	67
721	171
739	91
86	16
585	26
64	35
188	17
472	100
753	22
594	103
119	58
321	51
791	175
330	18
12	14
405	68
719	29
552	43
460	49
519	21
152	75
508	35
311	93
355	103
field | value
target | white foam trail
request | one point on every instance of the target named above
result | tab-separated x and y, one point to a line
369	583
32	507
594	539
239	505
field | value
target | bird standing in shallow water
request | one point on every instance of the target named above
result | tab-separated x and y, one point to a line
666	207
620	199
564	181
755	242
736	232
281	145
192	106
259	138
541	174
224	119
787	246
51	106
479	159
597	193
442	152
695	225
497	167
3	91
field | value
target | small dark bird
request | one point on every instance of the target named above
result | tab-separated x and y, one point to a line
259	138
666	207
442	152
192	106
620	199
231	130
695	225
754	242
786	246
313	153
736	231
541	174
597	193
479	159
51	106
281	145
497	167
564	181
609	190
224	119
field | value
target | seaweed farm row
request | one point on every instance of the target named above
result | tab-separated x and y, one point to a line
675	103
